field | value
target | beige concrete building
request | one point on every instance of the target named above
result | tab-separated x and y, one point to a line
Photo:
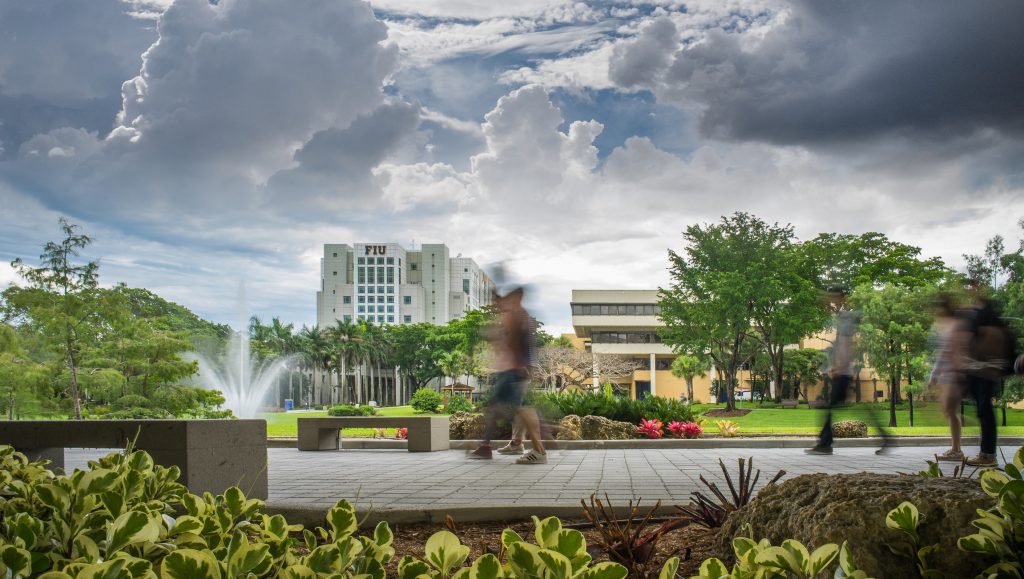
385	283
625	323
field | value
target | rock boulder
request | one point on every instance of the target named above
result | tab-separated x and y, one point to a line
849	429
820	508
570	428
601	428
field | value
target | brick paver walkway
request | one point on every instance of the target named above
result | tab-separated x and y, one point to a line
396	479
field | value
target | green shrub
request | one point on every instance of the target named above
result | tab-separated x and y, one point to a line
131	401
458	403
126	517
349	410
136	413
426	400
617	408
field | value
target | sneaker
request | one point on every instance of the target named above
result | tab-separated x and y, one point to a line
511	449
819	450
951	455
983	459
882	450
481	453
533	457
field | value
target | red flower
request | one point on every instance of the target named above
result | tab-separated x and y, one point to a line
403	433
650	428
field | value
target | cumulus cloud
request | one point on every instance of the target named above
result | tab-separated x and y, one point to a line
827	72
53	76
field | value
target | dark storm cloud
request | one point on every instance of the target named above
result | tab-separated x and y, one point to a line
62	63
846	71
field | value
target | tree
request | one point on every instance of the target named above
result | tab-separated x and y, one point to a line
19	376
566	366
689	367
716	287
848	261
63	303
346	344
413	354
801	370
894	327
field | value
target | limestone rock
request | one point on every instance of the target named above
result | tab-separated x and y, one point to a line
601	428
570	428
820	508
469	426
849	429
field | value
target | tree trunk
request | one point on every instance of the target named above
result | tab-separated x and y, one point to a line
75	397
689	390
893	387
910	401
730	400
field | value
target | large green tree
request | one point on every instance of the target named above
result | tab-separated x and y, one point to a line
849	261
61	301
894	326
717	283
688	367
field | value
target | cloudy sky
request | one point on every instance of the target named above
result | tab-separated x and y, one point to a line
203	145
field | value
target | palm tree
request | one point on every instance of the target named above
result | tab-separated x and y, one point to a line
346	338
451	364
316	353
689	367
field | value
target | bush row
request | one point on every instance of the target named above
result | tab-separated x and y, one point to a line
618	408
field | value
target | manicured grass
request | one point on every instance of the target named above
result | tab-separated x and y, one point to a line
928	419
284	423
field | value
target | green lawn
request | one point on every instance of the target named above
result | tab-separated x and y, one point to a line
927	419
284	423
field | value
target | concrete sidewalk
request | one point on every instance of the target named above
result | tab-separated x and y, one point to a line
400	486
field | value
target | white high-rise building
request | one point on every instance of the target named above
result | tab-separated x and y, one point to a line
384	283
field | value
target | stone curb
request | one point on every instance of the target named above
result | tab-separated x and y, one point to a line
671	443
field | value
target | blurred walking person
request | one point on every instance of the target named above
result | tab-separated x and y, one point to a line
514	342
944	376
984	355
841	372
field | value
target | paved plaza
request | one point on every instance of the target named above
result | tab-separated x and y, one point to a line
399	484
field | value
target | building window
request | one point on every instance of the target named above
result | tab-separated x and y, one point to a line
361	299
391	289
369	289
380	289
348	318
369	275
361	289
407	300
391	319
465	286
362	275
390	261
391	275
380	309
332	292
333	310
361	309
407	319
391	299
346	299
335	273
380	260
360	261
335	254
391	309
414	266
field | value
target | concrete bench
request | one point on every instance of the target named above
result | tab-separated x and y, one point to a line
817	404
426	433
213	455
790	403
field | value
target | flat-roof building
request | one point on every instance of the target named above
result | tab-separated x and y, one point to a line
384	283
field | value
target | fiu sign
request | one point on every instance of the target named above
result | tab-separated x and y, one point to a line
376	249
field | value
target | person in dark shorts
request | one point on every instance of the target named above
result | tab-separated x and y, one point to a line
514	344
841	371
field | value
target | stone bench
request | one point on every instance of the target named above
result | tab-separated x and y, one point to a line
426	433
790	403
213	455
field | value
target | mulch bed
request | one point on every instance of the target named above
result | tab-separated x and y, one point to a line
723	413
692	544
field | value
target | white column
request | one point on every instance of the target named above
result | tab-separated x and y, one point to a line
654	380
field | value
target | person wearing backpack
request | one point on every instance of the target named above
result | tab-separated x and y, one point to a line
986	355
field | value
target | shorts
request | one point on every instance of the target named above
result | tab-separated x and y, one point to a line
509	387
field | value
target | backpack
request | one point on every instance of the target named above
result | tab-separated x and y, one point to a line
993	345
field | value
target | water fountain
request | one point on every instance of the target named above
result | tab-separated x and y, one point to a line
243	382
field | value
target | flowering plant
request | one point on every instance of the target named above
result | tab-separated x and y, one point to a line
685	429
402	434
727	428
650	428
